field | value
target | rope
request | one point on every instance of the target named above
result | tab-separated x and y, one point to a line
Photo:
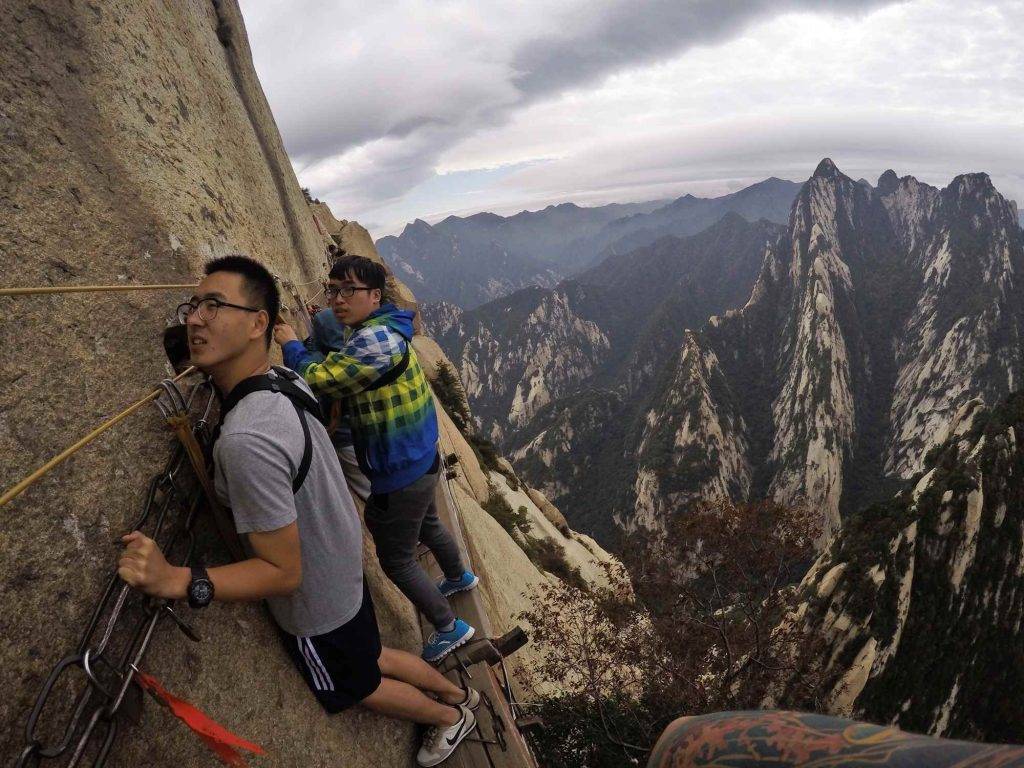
88	289
15	490
291	283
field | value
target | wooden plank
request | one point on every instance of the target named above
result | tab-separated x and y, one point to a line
469	606
470	754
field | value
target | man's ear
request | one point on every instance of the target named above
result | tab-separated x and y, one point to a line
259	326
379	298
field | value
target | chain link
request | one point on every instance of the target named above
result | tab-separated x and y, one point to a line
98	675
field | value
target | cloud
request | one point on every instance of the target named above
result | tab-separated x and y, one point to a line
369	97
719	156
607	36
403	109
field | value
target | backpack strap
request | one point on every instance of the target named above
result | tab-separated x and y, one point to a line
392	374
307	450
302	401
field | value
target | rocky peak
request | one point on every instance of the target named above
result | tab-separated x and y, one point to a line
829	203
972	185
417	227
694	418
888	182
909	205
826	170
485	217
974	196
867	346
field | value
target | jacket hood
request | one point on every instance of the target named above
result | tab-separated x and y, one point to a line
399	320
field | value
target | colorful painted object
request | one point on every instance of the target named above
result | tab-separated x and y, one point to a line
783	739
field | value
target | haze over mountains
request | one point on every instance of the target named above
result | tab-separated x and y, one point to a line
816	362
470	261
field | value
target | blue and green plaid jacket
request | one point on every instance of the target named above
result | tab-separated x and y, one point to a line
394	428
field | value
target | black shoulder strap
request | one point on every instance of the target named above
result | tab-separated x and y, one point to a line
392	374
307	449
301	400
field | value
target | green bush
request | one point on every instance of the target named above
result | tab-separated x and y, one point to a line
450	394
511	520
549	556
485	452
487	455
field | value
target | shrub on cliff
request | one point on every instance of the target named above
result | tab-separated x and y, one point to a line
696	630
449	392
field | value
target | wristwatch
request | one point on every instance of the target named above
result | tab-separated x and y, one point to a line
200	589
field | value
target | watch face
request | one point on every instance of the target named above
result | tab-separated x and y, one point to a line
202	592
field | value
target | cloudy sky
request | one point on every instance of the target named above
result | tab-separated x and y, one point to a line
397	110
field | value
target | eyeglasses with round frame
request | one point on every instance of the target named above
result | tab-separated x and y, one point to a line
207	309
346	292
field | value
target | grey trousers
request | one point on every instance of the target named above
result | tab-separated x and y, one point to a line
358	483
398	521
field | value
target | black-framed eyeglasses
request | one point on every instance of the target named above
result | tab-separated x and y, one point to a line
207	309
347	292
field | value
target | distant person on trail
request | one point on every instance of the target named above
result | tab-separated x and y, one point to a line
377	376
275	467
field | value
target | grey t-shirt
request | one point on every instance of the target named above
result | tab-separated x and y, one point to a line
256	457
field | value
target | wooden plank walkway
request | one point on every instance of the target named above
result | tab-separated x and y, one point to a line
496	743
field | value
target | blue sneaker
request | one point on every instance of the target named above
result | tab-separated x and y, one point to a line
464	583
440	644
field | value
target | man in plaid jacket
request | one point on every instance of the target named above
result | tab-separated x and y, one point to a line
378	379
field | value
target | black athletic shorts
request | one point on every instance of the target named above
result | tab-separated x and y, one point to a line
340	666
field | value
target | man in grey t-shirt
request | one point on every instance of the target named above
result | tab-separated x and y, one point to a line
257	454
276	469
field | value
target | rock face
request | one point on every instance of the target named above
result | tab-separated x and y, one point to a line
348	235
562	379
689	426
136	144
920	598
878	315
509	577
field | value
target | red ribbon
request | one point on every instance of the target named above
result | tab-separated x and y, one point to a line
219	739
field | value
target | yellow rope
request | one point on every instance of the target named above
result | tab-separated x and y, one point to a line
87	289
15	490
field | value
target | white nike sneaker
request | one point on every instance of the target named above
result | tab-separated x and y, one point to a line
472	700
440	742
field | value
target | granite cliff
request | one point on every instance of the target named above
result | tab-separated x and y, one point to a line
919	601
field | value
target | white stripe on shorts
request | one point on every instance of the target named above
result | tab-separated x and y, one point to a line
314	670
323	668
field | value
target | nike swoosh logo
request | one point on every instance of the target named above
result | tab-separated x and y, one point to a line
453	740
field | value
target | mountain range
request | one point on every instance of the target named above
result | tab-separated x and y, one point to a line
815	362
470	261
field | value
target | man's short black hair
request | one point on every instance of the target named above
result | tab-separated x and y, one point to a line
259	285
362	269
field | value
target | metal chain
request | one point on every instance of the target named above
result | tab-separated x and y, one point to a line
97	692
